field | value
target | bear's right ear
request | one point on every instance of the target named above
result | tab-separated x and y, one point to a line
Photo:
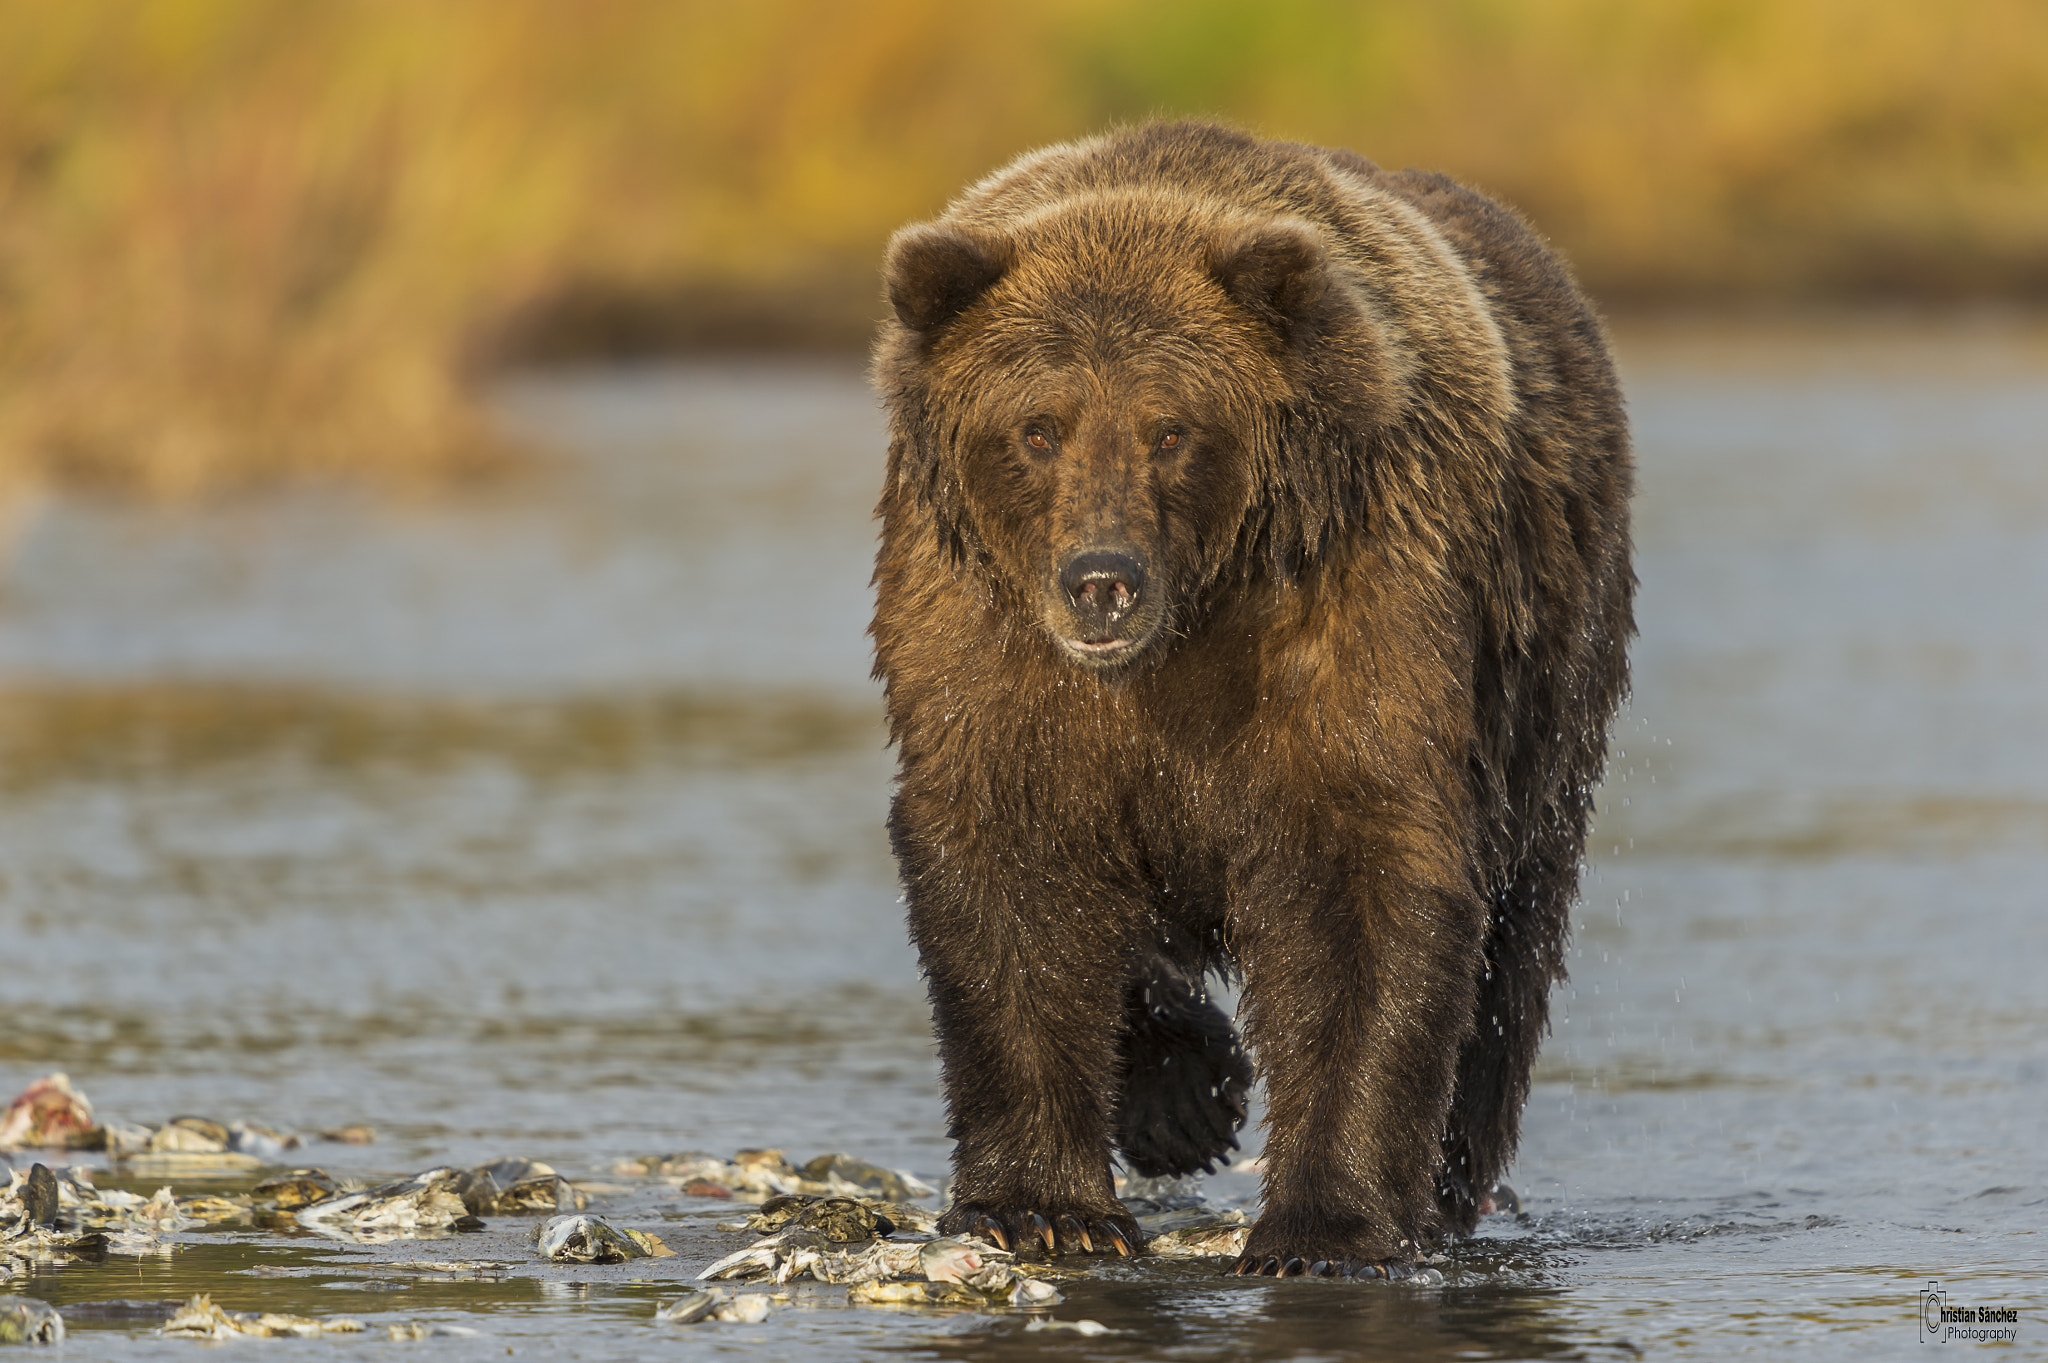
935	272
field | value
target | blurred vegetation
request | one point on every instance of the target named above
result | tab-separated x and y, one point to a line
245	237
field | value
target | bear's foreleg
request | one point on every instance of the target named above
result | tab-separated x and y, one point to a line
1357	998
1027	992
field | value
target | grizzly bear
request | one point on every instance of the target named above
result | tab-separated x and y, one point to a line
1252	599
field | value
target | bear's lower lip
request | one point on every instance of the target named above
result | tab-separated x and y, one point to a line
1098	645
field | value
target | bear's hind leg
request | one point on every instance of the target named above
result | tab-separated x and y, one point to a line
1183	1076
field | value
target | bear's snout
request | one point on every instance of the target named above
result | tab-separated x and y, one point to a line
1102	587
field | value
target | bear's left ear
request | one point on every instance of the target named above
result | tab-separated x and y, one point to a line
935	272
1277	271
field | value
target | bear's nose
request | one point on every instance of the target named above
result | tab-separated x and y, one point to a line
1103	586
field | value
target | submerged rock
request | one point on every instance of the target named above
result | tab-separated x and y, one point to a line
188	1145
188	1136
300	1188
457	1270
188	1163
413	1330
888	1184
768	1173
199	1318
697	1305
1079	1327
748	1309
694	1305
25	1320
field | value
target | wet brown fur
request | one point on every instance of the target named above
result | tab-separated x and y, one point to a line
1348	750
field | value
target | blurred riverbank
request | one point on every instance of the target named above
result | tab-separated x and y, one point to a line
245	240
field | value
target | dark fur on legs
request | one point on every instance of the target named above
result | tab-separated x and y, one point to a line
1181	1089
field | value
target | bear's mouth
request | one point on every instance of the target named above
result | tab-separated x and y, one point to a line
1098	652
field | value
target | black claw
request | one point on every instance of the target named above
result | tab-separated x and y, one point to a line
1115	1237
1042	1228
1271	1268
1322	1268
1293	1268
1073	1231
992	1229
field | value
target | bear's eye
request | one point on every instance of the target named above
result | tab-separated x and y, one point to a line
1037	440
1170	441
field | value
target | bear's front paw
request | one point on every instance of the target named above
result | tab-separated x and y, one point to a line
1297	1266
1054	1230
1296	1247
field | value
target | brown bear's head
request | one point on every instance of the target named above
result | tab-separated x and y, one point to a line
1092	401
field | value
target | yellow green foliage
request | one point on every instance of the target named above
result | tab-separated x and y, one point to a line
239	237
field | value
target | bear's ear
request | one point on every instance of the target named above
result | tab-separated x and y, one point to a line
1276	270
935	272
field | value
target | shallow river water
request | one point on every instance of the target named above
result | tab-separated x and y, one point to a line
547	822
